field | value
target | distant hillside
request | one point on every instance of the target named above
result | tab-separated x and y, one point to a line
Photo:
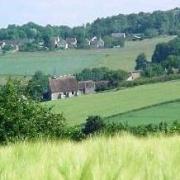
73	61
150	24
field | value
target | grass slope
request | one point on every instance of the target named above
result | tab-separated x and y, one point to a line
122	157
167	112
107	104
71	61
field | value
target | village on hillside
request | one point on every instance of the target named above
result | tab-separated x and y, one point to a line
57	42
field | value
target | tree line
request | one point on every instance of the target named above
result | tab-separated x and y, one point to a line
150	24
165	60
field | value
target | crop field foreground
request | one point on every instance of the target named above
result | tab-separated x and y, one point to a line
120	157
77	109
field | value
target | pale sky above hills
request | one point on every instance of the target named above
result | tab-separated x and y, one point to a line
73	12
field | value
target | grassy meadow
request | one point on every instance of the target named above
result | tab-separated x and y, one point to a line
71	61
168	112
116	158
106	104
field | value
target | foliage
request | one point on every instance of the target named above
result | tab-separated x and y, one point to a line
151	80
164	50
37	87
166	59
7	48
111	42
141	62
93	124
151	33
21	118
30	47
114	77
153	70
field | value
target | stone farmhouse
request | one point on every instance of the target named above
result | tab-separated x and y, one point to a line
58	42
67	87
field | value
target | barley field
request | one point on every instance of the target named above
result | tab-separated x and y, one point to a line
118	158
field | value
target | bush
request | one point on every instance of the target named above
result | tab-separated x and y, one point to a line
37	87
74	133
22	118
93	124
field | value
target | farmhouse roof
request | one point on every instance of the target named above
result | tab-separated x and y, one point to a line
63	84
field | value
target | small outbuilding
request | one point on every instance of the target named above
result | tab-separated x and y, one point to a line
134	75
86	87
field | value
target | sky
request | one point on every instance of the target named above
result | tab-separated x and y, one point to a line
73	12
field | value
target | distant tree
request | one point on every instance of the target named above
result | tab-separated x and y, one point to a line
103	74
93	125
172	62
141	62
151	33
153	70
161	52
111	42
37	87
7	48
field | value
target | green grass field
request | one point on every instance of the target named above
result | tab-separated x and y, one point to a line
168	112
77	109
118	158
71	61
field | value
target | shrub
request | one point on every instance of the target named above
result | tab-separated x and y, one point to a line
93	124
74	133
37	87
22	118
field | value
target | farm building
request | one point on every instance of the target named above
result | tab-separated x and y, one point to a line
67	87
118	35
63	44
72	42
134	75
86	87
63	87
96	43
